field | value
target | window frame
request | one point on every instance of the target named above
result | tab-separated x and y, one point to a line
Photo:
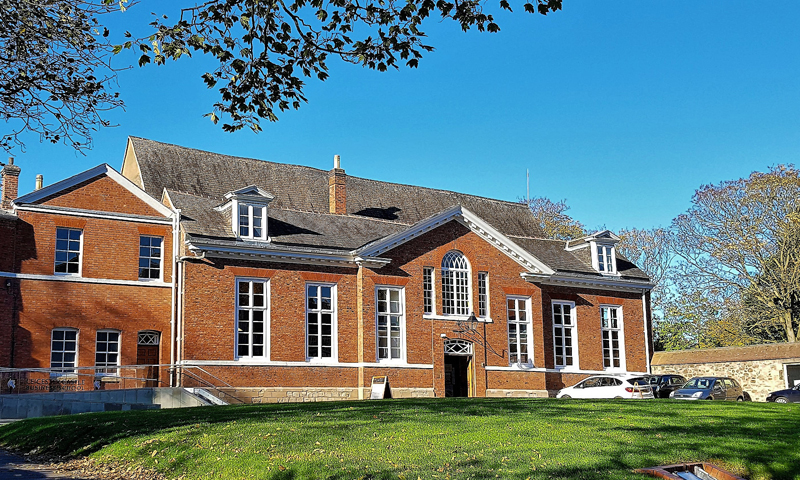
529	330
160	259
334	322
620	329
73	372
465	309
573	333
237	217
484	309
402	326
107	365
267	307
609	253
79	273
429	290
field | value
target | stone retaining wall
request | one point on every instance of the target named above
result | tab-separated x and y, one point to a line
506	393
314	394
758	377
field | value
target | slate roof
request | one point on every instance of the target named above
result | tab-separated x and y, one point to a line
774	351
298	217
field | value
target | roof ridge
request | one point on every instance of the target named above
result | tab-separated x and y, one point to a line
292	165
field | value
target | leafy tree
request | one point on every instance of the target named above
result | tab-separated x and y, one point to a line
738	246
55	76
55	55
554	221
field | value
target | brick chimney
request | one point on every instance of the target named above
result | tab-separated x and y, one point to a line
10	174
337	188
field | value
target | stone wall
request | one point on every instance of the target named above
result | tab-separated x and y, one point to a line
313	394
758	377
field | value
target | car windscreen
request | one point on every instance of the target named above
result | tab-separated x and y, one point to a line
638	381
704	383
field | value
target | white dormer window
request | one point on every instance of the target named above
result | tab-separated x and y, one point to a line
248	209
251	221
605	259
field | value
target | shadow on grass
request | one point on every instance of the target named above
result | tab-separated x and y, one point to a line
759	439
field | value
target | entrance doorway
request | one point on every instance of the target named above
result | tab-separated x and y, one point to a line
147	354
458	369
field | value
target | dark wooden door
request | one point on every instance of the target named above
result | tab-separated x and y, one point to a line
148	355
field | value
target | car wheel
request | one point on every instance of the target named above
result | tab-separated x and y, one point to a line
740	399
781	400
566	397
710	398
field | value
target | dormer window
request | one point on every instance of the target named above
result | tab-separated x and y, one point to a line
606	262
248	212
251	221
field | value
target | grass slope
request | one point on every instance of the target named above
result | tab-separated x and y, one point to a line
446	439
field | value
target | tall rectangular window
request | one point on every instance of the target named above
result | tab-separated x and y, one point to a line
611	328
63	351
564	334
483	294
390	312
252	313
427	290
107	352
150	257
320	312
518	330
251	221
605	258
68	251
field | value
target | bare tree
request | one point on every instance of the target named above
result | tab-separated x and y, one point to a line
554	221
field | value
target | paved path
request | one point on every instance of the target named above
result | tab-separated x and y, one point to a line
14	467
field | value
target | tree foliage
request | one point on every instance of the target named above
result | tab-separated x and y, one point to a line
553	220
55	76
736	242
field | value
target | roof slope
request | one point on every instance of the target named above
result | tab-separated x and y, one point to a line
305	189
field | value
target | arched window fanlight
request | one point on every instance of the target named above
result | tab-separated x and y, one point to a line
455	284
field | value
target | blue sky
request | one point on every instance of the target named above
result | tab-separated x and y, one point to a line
622	108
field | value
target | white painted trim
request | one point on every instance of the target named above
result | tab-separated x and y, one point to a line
334	322
576	360
471	221
80	254
561	370
76	212
161	259
265	253
239	363
102	169
403	331
529	322
267	318
601	283
623	361
76	279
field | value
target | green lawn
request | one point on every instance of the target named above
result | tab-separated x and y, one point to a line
446	439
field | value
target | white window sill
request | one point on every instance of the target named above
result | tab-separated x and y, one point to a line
62	274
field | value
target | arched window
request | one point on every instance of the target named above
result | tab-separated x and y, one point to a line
455	284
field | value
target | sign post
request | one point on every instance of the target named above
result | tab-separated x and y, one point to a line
380	388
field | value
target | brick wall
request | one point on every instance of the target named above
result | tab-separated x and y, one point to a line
209	314
103	194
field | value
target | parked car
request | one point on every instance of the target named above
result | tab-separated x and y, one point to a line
790	395
609	386
710	388
663	385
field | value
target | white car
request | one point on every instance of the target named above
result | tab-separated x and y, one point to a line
609	386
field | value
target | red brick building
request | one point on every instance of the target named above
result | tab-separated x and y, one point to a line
283	283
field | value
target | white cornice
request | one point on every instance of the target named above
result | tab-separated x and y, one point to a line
102	169
77	279
287	256
471	221
604	283
77	212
